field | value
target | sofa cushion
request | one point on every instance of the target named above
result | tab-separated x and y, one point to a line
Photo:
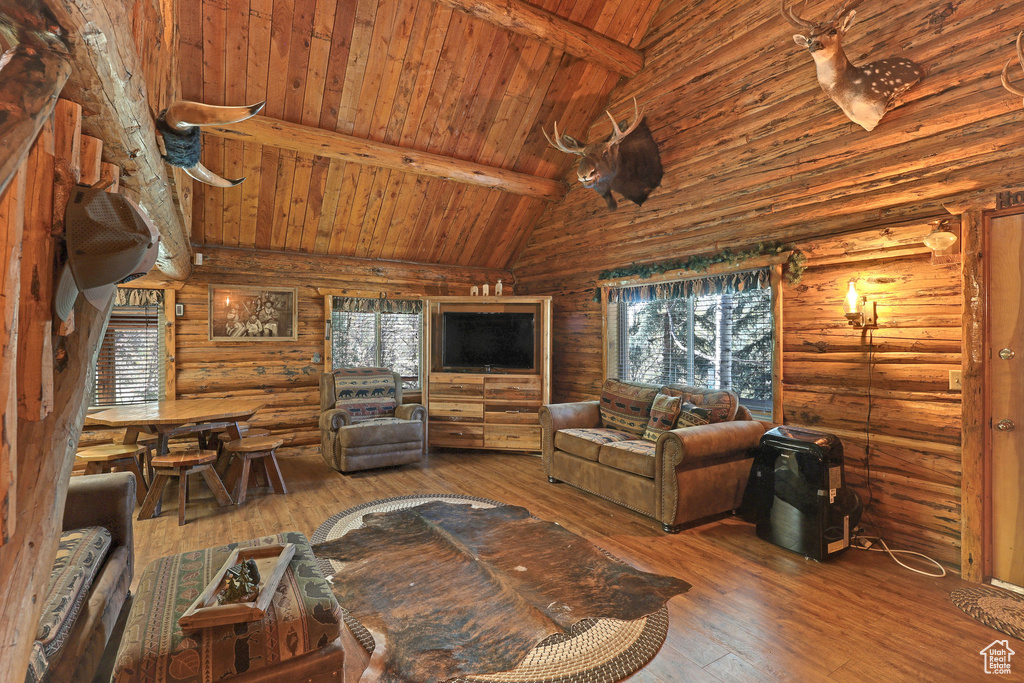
721	404
626	407
381	431
369	409
664	412
586	443
630	456
80	555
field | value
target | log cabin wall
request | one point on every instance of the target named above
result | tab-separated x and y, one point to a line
283	372
753	151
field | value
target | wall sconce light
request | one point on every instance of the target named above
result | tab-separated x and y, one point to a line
859	311
941	237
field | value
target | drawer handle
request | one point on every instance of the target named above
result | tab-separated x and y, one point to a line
513	436
513	411
455	410
517	388
458	386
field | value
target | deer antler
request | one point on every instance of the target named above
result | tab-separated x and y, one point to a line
790	15
841	12
559	145
1020	58
619	134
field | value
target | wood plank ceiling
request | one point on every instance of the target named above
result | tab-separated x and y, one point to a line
411	73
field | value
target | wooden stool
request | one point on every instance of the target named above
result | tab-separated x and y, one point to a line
107	457
181	464
223	457
246	450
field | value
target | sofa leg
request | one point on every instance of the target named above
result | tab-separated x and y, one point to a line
552	480
671	528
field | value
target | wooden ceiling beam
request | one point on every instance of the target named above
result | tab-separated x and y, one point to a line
108	81
551	29
333	145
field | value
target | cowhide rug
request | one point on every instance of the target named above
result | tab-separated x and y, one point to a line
456	590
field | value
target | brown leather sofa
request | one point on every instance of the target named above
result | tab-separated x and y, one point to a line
97	500
686	475
363	422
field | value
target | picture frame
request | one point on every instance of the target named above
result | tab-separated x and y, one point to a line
252	314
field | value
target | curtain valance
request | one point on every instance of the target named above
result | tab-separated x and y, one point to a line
725	283
138	297
351	304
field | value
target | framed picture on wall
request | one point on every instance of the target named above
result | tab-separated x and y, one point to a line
253	313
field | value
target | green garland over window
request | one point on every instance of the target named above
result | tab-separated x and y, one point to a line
699	263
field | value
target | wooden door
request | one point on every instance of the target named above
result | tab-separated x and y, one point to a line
1006	395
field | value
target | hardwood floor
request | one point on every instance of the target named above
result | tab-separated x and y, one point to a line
756	612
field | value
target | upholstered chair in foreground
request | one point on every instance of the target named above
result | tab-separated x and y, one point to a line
363	423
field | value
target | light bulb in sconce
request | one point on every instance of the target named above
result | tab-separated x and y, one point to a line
858	310
941	237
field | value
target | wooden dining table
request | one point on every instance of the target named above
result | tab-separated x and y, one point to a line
168	419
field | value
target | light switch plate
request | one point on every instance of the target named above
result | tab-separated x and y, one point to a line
954	380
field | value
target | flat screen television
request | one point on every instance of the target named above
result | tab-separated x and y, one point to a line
480	341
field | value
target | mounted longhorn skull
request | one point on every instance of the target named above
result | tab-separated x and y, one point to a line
864	93
1020	58
627	162
179	127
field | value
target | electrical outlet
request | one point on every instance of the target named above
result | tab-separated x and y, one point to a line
954	380
197	259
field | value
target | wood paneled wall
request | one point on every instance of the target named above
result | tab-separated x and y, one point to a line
283	372
753	150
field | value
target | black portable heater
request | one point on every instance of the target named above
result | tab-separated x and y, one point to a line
799	494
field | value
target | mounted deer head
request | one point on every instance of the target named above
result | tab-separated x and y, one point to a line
627	162
182	143
1020	59
864	93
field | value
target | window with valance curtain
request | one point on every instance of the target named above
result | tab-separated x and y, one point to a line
714	331
129	367
378	333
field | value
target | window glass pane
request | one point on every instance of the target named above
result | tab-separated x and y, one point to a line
129	363
400	346
716	341
354	339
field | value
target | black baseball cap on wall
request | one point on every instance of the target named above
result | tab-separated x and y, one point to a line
110	240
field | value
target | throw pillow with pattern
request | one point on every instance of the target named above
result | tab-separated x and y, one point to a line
664	412
626	407
691	416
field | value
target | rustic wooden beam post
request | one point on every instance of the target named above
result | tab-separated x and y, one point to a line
12	204
46	452
29	84
777	402
975	496
351	149
551	29
108	82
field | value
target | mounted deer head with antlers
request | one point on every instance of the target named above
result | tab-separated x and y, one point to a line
627	162
864	93
1020	59
182	141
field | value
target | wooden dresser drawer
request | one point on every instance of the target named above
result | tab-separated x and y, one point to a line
456	409
524	437
448	387
500	413
457	434
512	388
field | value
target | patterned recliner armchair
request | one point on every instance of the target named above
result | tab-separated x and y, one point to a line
363	423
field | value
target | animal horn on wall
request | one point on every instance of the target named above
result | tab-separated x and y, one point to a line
179	126
1020	58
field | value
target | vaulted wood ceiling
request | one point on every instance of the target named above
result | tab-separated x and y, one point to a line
410	73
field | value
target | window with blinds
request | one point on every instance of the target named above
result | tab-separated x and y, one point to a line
378	339
129	368
704	339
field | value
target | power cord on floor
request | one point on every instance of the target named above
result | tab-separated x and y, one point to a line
863	542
